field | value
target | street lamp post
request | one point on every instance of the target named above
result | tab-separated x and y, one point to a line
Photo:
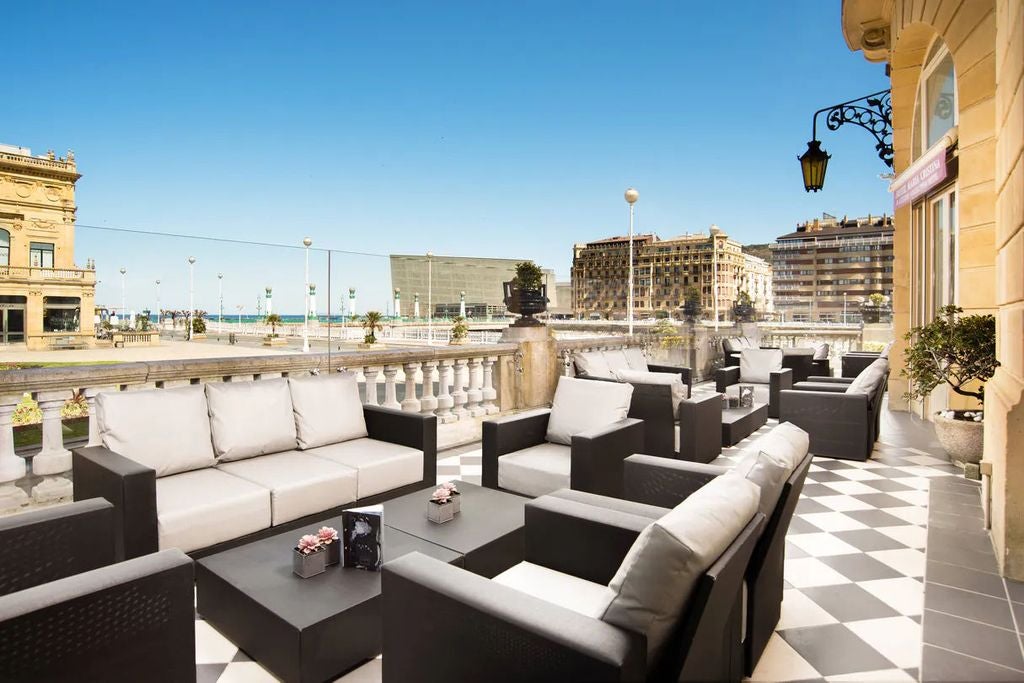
159	313
631	197
305	312
220	303
430	298
124	306
844	308
191	296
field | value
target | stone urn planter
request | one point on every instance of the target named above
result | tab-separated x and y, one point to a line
526	302
961	436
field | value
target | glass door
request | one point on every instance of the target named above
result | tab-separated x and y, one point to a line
13	325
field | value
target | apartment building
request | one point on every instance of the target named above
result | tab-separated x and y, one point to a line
825	268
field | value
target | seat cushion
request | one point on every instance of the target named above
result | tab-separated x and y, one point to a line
381	465
201	508
536	470
762	392
653	584
300	484
581	405
165	429
327	409
616	359
867	381
251	418
757	365
592	364
579	595
671	379
635	358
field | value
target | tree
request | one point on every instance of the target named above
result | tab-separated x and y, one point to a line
691	303
528	275
371	325
953	348
273	319
743	309
460	329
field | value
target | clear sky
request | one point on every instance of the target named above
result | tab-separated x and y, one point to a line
479	128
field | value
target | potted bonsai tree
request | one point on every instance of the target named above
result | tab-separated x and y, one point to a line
460	331
958	350
371	326
526	294
273	319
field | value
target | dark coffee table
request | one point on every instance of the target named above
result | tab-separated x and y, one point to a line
488	533
739	423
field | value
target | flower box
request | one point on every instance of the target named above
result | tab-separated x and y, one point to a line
309	564
439	513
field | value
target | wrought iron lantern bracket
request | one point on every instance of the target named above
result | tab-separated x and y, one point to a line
871	112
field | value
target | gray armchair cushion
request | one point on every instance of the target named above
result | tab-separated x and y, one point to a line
635	358
821	351
655	580
757	365
167	430
536	470
670	379
867	381
580	406
592	364
768	472
251	418
327	409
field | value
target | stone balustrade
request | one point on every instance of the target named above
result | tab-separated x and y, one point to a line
452	382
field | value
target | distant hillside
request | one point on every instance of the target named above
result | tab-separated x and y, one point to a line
759	250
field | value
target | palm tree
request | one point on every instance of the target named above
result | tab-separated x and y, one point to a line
273	319
371	323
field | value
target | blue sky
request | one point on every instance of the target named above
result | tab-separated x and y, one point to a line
491	129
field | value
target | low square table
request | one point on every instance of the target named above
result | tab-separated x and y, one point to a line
317	628
739	423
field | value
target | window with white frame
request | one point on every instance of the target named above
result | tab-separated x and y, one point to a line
935	112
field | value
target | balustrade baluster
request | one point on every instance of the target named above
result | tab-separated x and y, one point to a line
458	392
12	467
428	403
444	396
370	374
489	393
410	403
390	395
474	395
53	459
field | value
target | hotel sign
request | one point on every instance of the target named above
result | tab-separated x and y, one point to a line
926	173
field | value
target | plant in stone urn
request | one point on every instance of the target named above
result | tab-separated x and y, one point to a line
958	350
526	294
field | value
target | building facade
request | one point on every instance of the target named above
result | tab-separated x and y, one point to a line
444	282
826	268
664	271
46	301
957	77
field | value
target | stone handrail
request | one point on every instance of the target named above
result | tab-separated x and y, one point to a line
61	164
31	272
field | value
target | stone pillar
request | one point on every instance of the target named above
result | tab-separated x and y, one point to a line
539	367
390	396
410	403
427	401
371	385
53	459
489	393
12	467
444	397
474	395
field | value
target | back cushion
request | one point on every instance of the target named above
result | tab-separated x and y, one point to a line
745	343
581	405
821	351
251	418
635	358
165	429
656	578
616	360
756	365
786	442
868	379
886	349
670	378
592	364
731	345
768	472
327	409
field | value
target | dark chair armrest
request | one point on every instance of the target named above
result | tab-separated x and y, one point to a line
700	428
129	621
778	380
78	537
597	456
580	539
130	487
406	429
510	434
664	482
725	377
831	387
831	380
429	605
685	373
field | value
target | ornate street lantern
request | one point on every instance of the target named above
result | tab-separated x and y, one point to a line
813	164
872	112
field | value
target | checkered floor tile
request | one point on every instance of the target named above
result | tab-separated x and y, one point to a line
854	568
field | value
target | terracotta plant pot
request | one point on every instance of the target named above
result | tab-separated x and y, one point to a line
962	439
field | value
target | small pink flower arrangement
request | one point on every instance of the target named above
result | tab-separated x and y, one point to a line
441	496
450	486
327	535
309	544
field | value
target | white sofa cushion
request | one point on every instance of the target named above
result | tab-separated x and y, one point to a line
671	379
327	409
867	379
616	359
787	442
165	429
757	365
381	465
250	418
884	353
581	405
732	345
592	364
300	484
635	358
582	596
768	472
201	508
656	578
536	470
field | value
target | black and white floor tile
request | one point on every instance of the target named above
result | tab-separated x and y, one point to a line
855	567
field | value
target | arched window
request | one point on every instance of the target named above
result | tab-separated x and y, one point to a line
5	248
935	111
